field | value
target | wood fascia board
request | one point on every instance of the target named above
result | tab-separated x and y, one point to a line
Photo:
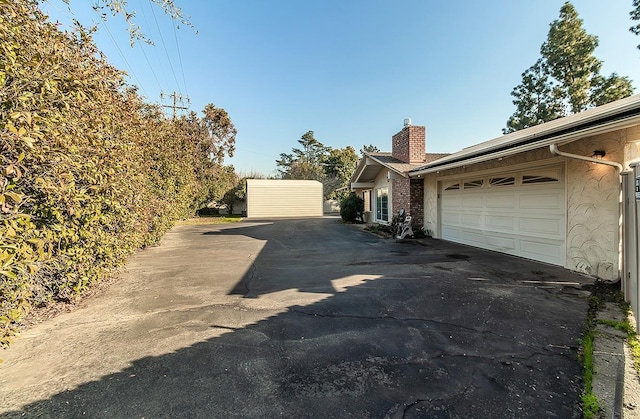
362	185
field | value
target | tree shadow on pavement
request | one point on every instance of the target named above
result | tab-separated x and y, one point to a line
420	341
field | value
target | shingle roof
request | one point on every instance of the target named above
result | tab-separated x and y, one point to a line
399	166
615	114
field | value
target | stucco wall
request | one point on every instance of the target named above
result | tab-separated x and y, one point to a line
431	204
593	207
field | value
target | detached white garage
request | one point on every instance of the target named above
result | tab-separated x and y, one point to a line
519	213
271	198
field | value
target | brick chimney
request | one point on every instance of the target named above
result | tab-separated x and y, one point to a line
408	145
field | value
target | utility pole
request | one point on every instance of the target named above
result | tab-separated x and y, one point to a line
176	99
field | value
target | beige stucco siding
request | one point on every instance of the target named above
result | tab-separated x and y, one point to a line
431	204
593	207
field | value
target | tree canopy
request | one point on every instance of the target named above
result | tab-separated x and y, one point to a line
89	172
369	149
114	8
635	16
315	161
566	79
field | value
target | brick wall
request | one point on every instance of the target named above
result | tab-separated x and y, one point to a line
416	193
408	194
401	194
408	145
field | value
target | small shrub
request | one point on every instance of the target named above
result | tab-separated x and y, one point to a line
352	209
206	211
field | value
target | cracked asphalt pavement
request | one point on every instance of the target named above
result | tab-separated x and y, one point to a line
307	319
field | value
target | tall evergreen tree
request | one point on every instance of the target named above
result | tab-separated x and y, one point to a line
635	16
608	89
568	52
305	162
566	79
537	99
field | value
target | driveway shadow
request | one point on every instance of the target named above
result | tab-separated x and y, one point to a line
433	336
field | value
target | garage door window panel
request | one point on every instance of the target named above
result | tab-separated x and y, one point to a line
473	184
502	181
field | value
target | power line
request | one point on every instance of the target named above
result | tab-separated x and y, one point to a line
173	24
146	21
104	24
163	44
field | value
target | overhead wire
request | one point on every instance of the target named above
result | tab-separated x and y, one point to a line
146	21
106	27
175	35
164	45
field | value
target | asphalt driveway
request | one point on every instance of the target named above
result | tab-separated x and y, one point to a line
308	319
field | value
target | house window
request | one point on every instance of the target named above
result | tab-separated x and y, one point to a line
453	187
382	204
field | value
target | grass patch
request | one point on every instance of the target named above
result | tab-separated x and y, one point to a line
625	326
634	345
603	293
590	405
210	219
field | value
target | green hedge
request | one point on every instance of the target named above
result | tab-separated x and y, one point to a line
90	172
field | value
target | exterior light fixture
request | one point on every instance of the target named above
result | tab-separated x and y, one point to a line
598	154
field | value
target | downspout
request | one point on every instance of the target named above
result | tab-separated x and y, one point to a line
554	150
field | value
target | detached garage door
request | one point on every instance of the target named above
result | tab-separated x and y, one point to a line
521	213
268	198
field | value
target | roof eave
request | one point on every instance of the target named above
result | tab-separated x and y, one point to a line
558	134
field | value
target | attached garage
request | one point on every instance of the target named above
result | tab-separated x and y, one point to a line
520	213
269	198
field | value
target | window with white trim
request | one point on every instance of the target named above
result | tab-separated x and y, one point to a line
382	204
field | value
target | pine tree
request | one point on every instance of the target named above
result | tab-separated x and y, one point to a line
635	16
566	79
537	99
568	52
608	89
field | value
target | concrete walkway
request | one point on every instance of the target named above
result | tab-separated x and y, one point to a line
308	318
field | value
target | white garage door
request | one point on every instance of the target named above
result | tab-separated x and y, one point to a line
271	198
521	213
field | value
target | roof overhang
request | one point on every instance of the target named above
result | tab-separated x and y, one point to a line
368	170
606	118
362	185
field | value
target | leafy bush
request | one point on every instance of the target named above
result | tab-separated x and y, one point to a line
352	208
88	172
206	211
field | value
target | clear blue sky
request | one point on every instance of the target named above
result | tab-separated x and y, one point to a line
350	70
